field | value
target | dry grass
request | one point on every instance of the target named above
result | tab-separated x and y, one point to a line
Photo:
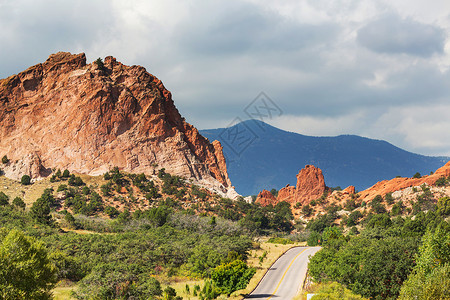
29	193
63	291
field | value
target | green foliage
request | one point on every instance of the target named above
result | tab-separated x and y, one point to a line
442	181
66	174
381	220
388	198
334	291
417	175
40	210
75	180
430	278
353	218
373	264
280	240
5	159
18	202
25	269
314	239
307	210
99	63
4	199
111	211
320	223
111	282
274	192
25	180
443	206
232	276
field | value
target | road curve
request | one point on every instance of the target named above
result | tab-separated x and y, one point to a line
285	277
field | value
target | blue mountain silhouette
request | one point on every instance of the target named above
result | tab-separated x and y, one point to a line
262	156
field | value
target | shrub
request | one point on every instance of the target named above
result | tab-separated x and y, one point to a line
232	276
66	174
441	181
5	160
18	202
26	180
99	63
4	199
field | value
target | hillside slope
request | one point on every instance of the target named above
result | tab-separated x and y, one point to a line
273	158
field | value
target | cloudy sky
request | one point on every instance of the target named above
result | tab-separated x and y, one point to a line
376	68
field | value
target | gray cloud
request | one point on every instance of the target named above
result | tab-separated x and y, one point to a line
215	59
391	34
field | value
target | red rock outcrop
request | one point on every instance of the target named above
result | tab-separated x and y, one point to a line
389	186
310	186
266	198
88	118
287	194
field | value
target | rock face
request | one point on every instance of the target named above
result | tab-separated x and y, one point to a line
310	186
389	186
265	198
88	118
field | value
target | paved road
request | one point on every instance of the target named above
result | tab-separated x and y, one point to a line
285	276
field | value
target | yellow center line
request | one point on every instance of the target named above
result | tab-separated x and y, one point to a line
281	280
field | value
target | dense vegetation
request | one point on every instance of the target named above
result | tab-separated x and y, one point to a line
139	239
377	262
142	228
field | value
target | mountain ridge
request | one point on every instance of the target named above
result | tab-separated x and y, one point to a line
345	159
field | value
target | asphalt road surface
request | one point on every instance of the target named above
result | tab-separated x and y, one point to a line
285	277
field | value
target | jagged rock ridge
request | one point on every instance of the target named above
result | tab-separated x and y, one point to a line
311	186
87	118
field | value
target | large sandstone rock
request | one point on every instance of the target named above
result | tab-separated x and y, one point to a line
86	118
266	198
310	186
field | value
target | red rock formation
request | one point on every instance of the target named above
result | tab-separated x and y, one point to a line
89	118
310	186
287	194
349	190
389	186
265	198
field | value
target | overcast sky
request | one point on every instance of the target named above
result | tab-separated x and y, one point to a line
376	68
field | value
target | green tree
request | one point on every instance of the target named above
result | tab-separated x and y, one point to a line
40	211
233	276
25	269
443	206
5	159
18	202
4	199
66	174
430	278
25	180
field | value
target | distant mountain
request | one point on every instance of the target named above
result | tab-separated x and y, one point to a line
261	156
